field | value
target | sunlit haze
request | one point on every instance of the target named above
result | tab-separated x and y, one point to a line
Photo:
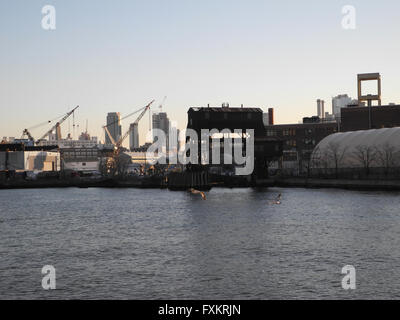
116	56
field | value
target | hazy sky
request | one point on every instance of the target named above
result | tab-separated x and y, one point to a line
118	55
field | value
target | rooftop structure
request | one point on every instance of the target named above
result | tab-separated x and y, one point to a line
219	118
368	97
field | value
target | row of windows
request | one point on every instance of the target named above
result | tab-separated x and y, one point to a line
231	115
80	154
306	141
292	132
291	143
289	132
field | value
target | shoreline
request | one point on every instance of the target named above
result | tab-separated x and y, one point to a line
309	183
345	184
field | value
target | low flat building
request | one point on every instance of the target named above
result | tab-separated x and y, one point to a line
80	159
20	158
83	159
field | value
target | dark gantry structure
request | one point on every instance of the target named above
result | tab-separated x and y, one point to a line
225	117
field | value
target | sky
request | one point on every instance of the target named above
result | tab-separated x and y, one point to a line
116	56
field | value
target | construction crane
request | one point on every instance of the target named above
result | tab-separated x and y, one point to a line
57	125
118	144
162	103
160	109
121	140
27	132
109	134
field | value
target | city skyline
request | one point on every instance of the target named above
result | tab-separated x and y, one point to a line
193	156
116	57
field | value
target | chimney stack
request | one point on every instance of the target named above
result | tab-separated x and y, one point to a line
323	108
270	116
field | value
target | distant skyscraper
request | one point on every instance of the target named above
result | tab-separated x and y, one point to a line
114	126
321	108
133	136
340	101
173	138
161	121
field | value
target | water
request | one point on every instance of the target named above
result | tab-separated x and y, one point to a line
159	244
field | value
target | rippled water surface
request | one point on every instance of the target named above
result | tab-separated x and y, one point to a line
159	244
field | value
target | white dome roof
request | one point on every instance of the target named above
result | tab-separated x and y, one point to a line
348	145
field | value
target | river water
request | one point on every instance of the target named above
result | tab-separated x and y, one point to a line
159	244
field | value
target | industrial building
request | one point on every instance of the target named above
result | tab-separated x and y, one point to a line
299	140
19	158
373	117
348	144
266	148
361	114
70	143
80	159
359	154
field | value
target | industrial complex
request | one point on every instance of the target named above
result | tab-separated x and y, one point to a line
355	135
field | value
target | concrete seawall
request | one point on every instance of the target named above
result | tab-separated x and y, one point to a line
392	185
82	183
389	185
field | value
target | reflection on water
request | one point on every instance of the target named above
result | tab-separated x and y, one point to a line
158	244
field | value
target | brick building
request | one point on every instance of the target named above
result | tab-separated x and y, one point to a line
299	140
364	118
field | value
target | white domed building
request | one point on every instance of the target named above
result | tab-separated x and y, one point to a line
377	148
